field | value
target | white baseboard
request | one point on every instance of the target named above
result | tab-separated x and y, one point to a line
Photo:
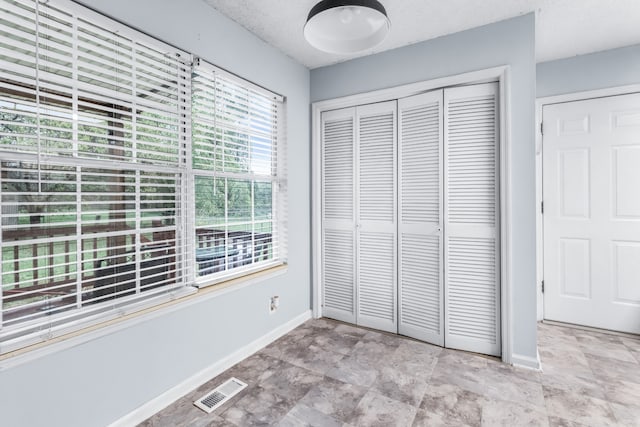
527	361
148	409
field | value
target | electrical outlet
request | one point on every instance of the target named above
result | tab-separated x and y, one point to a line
274	303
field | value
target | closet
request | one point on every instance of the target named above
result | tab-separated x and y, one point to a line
410	226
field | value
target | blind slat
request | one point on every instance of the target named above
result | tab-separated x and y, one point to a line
236	175
104	131
104	224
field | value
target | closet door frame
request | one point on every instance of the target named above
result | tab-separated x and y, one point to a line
497	74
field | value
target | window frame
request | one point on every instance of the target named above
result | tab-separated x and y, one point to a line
68	15
278	179
18	337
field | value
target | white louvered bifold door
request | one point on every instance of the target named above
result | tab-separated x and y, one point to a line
338	215
420	281
376	214
472	288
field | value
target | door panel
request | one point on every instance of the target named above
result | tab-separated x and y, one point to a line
575	279
626	271
338	215
420	292
574	183
339	298
591	163
376	213
626	175
471	294
376	297
471	223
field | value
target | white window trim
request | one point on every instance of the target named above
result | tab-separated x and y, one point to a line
132	310
279	190
502	74
28	333
236	273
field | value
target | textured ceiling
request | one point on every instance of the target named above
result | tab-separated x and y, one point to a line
564	28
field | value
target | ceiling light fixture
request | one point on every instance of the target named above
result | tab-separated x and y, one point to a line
346	26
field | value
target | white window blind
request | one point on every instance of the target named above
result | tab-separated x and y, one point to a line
239	175
93	128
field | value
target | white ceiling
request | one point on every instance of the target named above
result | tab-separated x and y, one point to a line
564	28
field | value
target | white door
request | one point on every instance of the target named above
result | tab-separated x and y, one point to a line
420	273
591	190
376	216
471	222
415	250
338	214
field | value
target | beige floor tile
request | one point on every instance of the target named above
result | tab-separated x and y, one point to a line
610	370
328	373
376	410
582	383
578	407
400	386
334	398
453	404
627	415
561	422
508	414
302	415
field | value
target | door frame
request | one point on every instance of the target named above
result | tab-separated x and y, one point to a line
502	75
540	104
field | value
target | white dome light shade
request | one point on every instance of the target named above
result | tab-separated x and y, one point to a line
346	26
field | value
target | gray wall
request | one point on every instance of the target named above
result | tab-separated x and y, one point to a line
509	42
99	381
610	68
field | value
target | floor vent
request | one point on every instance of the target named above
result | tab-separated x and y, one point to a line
216	398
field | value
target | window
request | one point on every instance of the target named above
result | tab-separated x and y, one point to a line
237	174
104	187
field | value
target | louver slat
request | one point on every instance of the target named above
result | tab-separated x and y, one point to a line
472	303
377	283
421	284
420	156
377	184
338	169
338	271
471	156
338	249
471	206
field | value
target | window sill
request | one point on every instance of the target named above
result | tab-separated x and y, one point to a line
224	286
235	276
106	327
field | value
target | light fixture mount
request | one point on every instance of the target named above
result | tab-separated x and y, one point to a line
346	26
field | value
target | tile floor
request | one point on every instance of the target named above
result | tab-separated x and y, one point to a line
326	373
